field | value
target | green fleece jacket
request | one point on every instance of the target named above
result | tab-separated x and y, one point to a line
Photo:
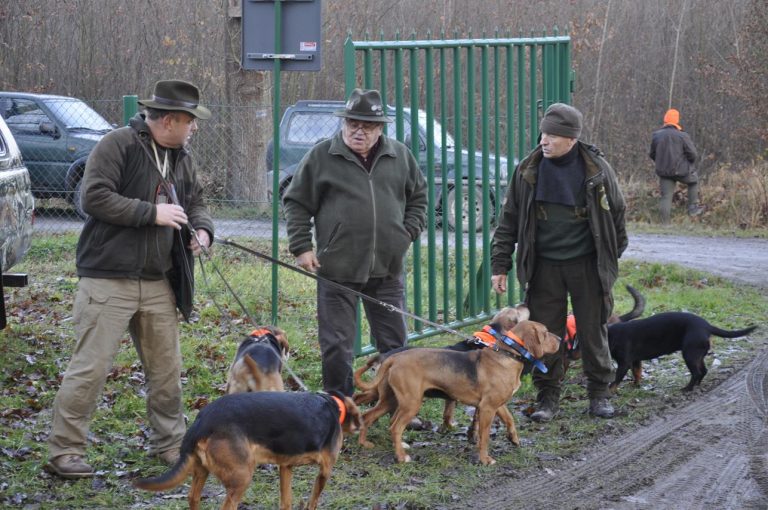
364	222
517	225
119	188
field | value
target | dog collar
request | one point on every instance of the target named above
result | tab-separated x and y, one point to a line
515	342
342	408
261	335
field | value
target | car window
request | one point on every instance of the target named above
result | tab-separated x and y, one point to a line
308	128
3	146
75	114
23	116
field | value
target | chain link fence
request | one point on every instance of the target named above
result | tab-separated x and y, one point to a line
56	134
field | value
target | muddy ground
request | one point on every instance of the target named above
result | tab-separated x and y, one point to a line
710	451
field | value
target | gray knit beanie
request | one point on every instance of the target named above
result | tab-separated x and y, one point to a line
562	120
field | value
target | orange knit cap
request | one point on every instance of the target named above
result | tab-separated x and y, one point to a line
672	118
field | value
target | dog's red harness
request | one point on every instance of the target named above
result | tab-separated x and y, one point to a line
342	408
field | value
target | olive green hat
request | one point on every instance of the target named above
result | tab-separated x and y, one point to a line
365	105
177	95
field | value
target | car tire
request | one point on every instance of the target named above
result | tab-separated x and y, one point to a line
76	201
449	216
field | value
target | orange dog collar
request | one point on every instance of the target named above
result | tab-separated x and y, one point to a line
342	408
260	332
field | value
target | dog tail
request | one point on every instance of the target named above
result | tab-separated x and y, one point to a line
639	307
360	384
724	333
171	478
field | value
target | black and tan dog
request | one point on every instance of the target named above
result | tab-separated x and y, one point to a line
572	350
234	434
505	319
664	333
484	378
259	362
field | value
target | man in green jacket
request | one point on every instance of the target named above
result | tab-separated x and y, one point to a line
144	198
367	198
565	213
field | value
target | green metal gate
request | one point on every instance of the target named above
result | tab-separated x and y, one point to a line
490	93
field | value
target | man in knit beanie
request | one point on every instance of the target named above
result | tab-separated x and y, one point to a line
675	155
564	215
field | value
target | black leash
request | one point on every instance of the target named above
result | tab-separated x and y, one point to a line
388	306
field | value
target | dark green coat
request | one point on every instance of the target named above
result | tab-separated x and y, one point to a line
517	224
364	222
120	238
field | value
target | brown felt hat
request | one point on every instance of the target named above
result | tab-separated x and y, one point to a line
177	95
364	105
562	120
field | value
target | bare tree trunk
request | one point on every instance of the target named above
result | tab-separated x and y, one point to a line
247	126
597	109
678	30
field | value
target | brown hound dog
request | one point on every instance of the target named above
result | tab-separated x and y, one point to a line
505	319
484	378
234	434
259	362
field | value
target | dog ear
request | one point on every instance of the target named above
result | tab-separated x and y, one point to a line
534	335
282	339
354	419
523	313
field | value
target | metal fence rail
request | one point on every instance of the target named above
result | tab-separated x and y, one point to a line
468	108
491	92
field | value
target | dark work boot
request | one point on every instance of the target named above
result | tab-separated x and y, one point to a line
546	410
600	407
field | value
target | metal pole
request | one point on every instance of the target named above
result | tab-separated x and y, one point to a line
276	158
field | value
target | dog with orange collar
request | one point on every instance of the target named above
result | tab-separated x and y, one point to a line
367	393
485	378
259	362
235	433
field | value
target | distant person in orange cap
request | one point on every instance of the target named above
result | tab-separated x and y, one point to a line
675	155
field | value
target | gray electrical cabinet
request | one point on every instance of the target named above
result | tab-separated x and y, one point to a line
300	39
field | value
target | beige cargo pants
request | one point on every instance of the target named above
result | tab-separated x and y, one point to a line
103	310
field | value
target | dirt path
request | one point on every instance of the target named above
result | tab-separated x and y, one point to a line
711	452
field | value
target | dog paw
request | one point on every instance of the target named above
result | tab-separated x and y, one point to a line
405	445
487	461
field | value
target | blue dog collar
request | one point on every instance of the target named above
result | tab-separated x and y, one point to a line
525	353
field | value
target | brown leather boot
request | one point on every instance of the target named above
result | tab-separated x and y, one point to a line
70	466
546	411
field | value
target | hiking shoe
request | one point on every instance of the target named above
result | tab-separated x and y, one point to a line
69	466
169	457
696	211
600	407
546	411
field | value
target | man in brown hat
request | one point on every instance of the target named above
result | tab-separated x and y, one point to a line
367	197
565	213
145	201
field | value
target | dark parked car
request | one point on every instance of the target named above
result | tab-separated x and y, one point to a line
16	213
307	122
55	135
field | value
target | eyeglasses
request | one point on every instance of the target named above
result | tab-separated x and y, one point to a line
367	127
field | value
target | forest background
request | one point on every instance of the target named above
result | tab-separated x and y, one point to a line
632	61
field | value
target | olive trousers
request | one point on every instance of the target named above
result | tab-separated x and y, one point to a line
552	284
337	324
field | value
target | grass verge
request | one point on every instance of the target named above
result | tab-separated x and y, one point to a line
37	344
